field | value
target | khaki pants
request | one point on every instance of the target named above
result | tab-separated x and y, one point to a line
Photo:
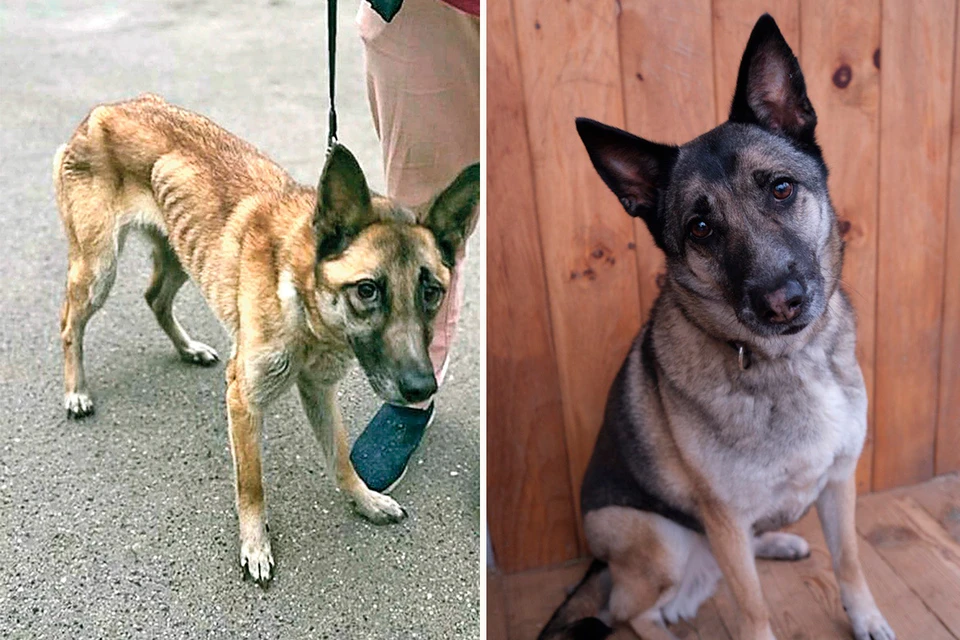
423	82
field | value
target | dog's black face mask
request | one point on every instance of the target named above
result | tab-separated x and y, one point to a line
742	212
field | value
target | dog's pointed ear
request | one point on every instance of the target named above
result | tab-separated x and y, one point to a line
452	214
343	203
770	90
636	170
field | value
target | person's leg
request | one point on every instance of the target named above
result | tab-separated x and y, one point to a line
423	83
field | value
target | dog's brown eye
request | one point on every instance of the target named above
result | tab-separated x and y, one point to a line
699	229
431	295
367	291
783	189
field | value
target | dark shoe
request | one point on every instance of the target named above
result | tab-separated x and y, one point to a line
382	452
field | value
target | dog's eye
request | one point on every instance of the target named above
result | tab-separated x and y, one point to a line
431	294
782	189
699	229
367	291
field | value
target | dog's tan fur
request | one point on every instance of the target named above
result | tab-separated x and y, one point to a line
221	213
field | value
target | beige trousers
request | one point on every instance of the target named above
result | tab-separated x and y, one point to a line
423	83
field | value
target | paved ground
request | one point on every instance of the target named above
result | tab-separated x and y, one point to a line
123	525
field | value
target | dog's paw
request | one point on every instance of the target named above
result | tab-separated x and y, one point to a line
871	626
77	405
378	508
256	558
199	353
777	545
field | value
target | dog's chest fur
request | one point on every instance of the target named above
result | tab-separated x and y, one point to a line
767	439
781	445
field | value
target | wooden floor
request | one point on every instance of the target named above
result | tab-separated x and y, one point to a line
909	545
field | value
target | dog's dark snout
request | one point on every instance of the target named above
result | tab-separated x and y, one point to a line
781	305
416	385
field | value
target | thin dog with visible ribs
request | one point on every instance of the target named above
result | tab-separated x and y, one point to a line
303	279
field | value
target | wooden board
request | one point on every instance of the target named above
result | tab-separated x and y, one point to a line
839	40
948	421
667	92
941	498
732	22
570	63
527	472
533	596
914	157
903	609
908	538
496	610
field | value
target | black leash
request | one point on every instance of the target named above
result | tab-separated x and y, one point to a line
332	54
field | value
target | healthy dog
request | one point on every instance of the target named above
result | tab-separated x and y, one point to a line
303	279
741	403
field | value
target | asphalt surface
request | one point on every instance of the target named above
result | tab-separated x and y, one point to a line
123	525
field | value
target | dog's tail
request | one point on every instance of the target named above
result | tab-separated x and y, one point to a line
578	617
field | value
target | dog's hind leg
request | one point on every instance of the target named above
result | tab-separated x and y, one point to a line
649	559
779	545
168	277
94	236
89	279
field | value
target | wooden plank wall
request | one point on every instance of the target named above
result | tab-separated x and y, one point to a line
571	276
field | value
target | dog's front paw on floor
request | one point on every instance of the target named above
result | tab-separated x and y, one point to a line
378	508
256	559
199	353
871	625
78	405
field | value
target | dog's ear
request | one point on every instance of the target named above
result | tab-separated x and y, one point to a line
343	203
452	214
770	88
636	170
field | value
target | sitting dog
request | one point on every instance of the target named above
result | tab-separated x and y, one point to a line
304	279
741	402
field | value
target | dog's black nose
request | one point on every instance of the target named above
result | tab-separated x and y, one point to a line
416	385
780	305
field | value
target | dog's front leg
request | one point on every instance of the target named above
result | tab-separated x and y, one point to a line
732	546
244	424
837	509
320	404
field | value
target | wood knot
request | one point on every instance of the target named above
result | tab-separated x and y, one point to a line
842	76
876	58
639	76
661	280
536	25
844	226
602	253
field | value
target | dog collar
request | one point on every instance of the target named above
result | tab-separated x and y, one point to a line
743	354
